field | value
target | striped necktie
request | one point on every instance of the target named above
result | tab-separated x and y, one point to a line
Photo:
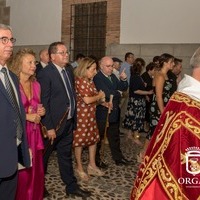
13	100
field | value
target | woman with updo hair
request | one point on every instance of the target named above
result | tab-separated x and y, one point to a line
147	77
162	92
87	133
161	87
135	115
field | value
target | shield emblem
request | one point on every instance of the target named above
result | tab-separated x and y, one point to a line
193	162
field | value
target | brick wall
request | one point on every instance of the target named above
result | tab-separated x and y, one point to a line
113	19
113	48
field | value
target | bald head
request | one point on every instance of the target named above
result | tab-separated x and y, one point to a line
106	65
44	56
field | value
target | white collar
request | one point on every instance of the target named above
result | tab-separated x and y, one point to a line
189	86
1	66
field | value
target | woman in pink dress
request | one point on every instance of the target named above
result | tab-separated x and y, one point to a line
30	180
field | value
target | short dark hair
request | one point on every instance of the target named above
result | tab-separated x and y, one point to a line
156	58
79	55
151	66
177	60
127	55
53	47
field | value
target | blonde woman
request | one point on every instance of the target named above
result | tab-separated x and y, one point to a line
30	180
86	134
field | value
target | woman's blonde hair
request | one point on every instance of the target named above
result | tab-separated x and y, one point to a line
17	61
85	64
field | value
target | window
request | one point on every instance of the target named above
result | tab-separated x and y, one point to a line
88	29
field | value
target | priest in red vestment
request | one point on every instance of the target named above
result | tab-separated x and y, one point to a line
171	165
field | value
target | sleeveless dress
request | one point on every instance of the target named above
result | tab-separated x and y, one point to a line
135	114
87	132
154	109
31	180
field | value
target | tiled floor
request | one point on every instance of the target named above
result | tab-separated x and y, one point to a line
115	185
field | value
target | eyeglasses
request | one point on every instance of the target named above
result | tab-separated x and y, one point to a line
62	53
5	40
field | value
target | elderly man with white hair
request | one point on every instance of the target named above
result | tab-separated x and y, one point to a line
106	81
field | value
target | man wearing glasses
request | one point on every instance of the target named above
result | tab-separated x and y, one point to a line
13	143
58	98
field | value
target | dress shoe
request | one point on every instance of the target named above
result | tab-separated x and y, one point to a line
79	193
127	161
101	164
121	162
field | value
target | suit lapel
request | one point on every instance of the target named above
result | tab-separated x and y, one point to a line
3	91
108	82
16	83
58	77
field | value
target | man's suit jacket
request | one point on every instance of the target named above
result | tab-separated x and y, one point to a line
38	68
54	96
104	84
10	154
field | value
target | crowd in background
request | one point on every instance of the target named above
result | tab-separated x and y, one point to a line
81	104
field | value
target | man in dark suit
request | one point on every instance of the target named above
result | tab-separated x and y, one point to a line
13	143
57	96
44	60
106	81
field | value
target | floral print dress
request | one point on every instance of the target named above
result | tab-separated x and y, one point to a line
154	109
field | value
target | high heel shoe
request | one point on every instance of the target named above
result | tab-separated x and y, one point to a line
94	172
82	175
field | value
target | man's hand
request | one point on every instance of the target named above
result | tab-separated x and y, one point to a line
123	75
51	134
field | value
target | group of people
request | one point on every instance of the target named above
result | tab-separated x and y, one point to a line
74	105
171	167
80	106
148	95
